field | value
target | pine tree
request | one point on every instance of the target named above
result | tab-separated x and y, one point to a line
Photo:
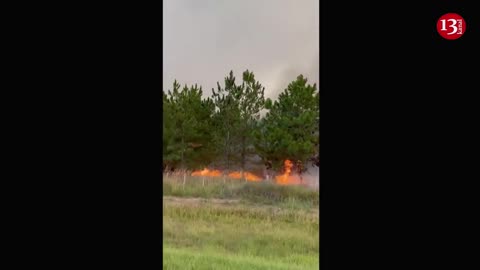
227	122
202	142
290	128
251	101
171	157
188	127
238	110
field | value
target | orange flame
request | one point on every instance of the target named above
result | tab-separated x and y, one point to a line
207	172
252	177
235	175
249	176
286	178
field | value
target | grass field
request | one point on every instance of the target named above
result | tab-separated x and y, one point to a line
252	192
239	225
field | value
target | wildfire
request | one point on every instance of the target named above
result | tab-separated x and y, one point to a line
249	176
207	172
287	178
284	179
235	175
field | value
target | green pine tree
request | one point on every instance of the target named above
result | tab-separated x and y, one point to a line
251	101
187	120
171	156
290	128
227	122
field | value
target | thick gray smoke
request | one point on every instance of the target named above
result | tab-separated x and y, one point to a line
276	39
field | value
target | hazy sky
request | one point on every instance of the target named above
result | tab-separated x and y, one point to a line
276	39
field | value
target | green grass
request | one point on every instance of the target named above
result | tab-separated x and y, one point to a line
252	226
253	192
183	259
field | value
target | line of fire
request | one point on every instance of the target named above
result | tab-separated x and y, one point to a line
291	174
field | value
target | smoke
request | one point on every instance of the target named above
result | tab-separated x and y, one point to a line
311	177
204	40
280	79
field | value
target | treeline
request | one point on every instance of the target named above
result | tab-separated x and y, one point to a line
237	122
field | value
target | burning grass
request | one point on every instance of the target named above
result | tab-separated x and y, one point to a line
212	234
286	178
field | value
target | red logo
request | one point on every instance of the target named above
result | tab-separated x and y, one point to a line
451	26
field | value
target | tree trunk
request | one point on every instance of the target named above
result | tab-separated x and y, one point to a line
243	156
184	178
227	152
183	163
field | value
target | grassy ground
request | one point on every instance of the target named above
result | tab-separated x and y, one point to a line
253	192
239	226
